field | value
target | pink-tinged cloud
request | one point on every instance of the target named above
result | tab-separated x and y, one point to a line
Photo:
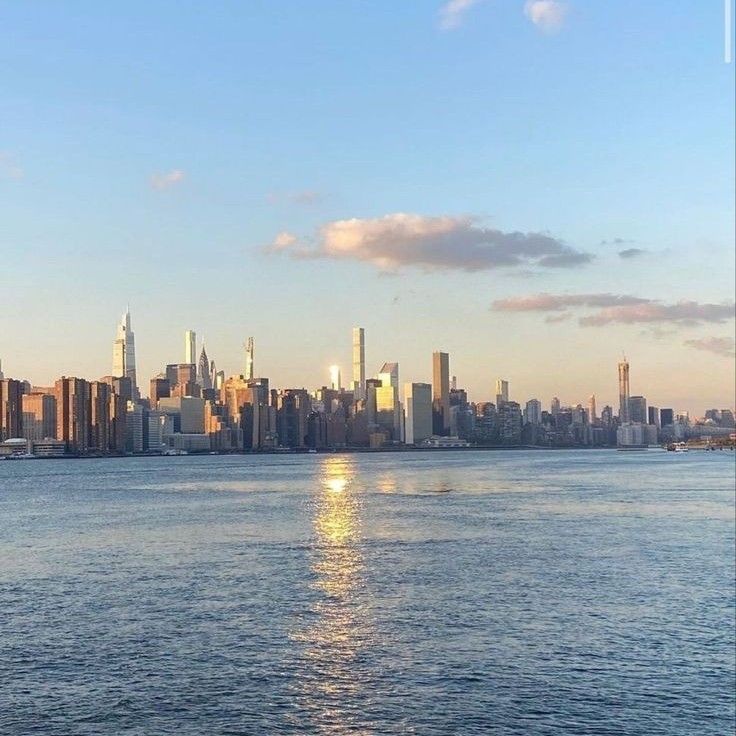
402	240
547	15
559	302
453	12
723	346
168	179
684	312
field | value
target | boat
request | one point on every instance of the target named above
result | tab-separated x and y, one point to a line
677	447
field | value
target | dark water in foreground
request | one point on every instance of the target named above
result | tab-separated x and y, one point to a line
453	593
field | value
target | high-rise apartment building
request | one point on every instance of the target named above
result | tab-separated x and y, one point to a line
123	353
554	407
623	391
533	412
100	397
39	416
441	391
359	362
72	413
592	415
11	409
190	347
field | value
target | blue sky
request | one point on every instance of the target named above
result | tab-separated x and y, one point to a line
149	153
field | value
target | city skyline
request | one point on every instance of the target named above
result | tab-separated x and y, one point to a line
525	208
440	372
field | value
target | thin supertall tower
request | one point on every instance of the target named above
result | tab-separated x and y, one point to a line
359	362
249	359
623	391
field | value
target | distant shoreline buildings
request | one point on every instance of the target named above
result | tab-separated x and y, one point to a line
193	407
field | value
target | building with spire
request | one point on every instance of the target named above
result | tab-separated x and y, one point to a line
204	377
123	353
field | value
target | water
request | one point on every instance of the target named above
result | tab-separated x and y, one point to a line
509	592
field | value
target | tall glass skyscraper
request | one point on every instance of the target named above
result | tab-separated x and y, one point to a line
123	353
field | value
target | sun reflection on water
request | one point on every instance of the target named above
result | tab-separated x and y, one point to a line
340	632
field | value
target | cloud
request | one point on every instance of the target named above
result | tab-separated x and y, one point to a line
283	241
169	179
618	309
723	346
683	313
452	13
434	243
559	302
548	15
631	252
9	169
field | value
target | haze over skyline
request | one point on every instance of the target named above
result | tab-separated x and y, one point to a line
535	188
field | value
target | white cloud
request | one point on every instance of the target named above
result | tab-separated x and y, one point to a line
433	243
168	179
9	169
452	13
548	15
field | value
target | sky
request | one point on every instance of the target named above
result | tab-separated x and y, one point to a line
535	187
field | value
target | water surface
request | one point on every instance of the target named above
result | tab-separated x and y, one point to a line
509	592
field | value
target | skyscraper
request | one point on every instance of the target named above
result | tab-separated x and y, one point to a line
190	347
335	380
204	378
554	407
359	362
502	392
638	409
592	416
11	409
249	359
123	353
623	391
418	397
441	391
389	375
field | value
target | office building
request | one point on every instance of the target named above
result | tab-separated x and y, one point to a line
441	392
666	417
592	415
418	424
533	412
190	347
123	353
638	409
204	379
335	380
653	416
502	392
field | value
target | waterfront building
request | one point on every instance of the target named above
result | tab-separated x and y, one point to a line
72	413
653	416
418	401
134	427
11	409
39	416
100	395
666	417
